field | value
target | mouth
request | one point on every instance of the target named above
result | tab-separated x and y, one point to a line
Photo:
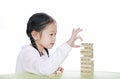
52	44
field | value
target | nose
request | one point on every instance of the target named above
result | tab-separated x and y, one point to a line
54	38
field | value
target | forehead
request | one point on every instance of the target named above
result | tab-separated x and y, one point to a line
51	27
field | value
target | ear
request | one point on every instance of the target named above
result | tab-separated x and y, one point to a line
35	35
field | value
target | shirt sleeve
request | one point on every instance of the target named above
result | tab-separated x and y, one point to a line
34	63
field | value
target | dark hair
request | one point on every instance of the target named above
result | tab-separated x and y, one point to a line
38	22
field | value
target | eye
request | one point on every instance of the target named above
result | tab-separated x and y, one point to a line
51	34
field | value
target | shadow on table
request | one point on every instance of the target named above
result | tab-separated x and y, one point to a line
28	76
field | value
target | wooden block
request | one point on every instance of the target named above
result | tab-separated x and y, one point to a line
86	73
87	44
87	69
82	49
87	64
86	58
87	54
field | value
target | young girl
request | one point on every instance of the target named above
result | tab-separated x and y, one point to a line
34	58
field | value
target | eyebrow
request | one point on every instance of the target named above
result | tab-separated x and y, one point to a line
53	31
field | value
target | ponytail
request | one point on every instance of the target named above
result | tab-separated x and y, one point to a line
33	43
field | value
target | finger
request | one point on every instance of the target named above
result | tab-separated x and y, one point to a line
78	37
76	46
61	69
73	31
77	31
58	69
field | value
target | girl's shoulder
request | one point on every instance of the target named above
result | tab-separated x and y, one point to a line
28	49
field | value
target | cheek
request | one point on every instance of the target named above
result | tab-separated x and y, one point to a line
44	40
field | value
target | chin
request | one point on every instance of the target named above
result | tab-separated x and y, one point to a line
49	47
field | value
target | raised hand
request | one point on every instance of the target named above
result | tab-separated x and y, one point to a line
74	37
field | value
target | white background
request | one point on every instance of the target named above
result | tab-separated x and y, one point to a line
99	19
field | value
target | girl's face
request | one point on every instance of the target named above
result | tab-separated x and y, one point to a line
48	36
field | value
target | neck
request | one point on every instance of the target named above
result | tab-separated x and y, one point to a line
40	48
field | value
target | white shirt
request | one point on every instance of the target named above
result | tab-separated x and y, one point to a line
29	60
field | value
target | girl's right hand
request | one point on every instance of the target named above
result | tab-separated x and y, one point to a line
74	37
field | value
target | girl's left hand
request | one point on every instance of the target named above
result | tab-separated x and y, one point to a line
74	37
60	69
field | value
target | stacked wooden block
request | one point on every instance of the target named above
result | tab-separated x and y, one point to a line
87	64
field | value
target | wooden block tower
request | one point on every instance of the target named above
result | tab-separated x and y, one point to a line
87	64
